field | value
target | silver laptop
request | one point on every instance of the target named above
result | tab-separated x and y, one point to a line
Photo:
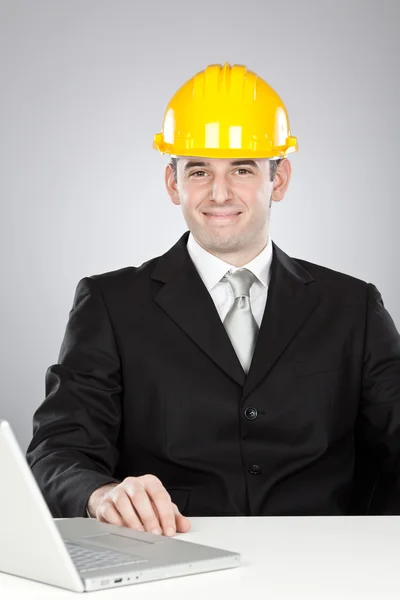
83	554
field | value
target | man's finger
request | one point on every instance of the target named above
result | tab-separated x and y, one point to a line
127	511
182	523
143	507
107	513
159	497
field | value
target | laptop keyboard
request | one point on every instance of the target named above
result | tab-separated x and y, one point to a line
90	559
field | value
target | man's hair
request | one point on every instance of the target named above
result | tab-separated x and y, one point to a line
273	165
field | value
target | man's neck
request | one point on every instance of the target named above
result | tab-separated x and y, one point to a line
238	259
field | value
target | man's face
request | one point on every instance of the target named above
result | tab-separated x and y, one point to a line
225	202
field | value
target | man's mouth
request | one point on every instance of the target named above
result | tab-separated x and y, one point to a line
221	215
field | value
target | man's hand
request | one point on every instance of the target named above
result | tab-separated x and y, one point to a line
141	503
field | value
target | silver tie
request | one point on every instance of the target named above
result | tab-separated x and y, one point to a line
240	323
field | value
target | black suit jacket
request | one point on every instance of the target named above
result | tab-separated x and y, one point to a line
148	382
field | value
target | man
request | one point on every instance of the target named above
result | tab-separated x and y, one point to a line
224	377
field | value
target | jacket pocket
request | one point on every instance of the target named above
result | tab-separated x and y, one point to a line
179	497
318	364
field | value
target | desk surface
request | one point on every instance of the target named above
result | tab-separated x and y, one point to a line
310	558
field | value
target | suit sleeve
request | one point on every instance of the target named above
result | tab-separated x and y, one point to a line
75	430
379	418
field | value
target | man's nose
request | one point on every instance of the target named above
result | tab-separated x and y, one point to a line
221	190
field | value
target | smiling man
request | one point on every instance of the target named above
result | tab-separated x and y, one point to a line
223	377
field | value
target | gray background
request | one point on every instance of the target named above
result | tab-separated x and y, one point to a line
84	86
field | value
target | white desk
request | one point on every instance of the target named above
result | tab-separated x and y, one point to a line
296	558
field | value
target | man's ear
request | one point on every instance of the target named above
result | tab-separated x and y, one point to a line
281	180
171	184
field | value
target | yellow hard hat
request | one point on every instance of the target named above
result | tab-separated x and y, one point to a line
226	112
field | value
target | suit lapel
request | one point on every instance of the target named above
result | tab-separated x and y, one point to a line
185	299
291	299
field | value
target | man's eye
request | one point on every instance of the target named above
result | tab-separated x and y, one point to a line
203	172
195	173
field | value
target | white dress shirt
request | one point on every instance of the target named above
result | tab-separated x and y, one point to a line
211	270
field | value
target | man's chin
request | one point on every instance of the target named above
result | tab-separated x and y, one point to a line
221	242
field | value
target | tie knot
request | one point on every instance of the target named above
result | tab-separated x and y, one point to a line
241	282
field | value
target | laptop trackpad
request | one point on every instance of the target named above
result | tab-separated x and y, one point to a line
116	542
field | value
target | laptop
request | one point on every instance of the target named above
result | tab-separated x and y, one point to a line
83	554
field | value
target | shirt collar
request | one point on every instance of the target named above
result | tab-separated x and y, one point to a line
211	268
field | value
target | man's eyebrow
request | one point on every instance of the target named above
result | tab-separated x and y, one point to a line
252	163
234	163
192	163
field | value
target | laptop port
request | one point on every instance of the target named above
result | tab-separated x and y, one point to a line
118	580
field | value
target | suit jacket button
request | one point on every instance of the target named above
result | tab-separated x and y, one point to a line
251	413
254	469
